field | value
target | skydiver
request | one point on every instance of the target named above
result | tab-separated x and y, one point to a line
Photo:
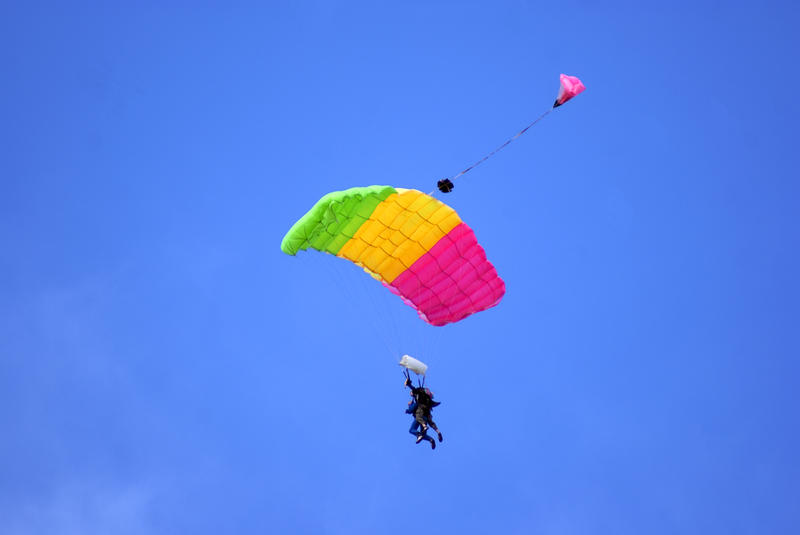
420	406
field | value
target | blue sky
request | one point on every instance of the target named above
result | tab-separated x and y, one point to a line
164	368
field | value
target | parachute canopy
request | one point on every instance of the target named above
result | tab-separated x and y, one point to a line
413	364
570	87
414	244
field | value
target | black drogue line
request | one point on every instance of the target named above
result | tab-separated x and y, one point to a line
446	184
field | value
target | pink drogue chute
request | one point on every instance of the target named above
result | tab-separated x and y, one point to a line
570	86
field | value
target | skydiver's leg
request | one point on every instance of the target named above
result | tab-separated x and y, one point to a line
419	416
421	419
419	423
428	438
430	422
433	425
414	429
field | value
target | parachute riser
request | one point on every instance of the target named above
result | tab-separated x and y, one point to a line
420	380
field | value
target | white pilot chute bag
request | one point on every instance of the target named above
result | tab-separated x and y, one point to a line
413	364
